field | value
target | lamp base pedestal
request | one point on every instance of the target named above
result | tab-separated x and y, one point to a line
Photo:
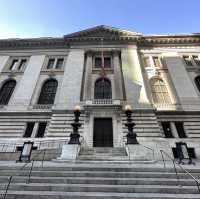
139	152
69	152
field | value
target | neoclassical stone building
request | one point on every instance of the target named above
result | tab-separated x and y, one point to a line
43	79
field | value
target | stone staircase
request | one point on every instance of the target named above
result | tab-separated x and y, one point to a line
97	181
103	153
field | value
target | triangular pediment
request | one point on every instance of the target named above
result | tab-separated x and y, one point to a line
102	32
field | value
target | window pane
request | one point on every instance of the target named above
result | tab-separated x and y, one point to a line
107	62
6	92
197	82
41	129
13	64
98	63
22	64
196	60
29	129
160	93
48	92
50	63
59	63
167	129
103	89
156	62
180	129
187	60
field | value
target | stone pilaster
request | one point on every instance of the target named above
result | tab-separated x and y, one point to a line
25	87
117	76
181	81
88	77
3	61
133	79
70	90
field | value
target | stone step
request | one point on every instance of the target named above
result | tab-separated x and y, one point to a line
97	167
105	158
103	174
97	180
94	195
101	188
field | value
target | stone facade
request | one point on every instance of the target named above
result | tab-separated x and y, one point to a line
136	61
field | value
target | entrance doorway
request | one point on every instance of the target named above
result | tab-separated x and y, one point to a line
103	132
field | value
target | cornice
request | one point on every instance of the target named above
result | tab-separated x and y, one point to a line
169	40
32	43
84	39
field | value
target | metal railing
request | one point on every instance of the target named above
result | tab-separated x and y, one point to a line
41	144
20	169
197	182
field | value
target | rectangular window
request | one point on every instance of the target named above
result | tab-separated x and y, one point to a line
29	129
59	63
22	64
50	63
41	130
98	63
167	129
187	60
180	129
107	62
157	62
196	60
13	65
147	62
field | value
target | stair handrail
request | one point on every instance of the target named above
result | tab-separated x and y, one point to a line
153	150
176	172
21	168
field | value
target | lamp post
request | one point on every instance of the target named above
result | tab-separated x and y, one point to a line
131	136
74	136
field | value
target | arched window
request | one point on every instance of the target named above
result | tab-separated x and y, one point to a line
6	91
197	82
102	89
48	92
159	92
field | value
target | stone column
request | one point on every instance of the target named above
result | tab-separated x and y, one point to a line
185	90
133	78
88	77
70	90
117	76
3	61
25	87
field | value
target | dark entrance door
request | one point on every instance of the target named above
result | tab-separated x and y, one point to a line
103	132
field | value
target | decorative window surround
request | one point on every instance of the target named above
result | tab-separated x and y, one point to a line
54	63
16	64
108	61
152	61
191	60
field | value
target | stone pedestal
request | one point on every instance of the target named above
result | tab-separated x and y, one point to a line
69	152
139	152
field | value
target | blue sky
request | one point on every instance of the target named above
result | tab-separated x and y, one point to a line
54	18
